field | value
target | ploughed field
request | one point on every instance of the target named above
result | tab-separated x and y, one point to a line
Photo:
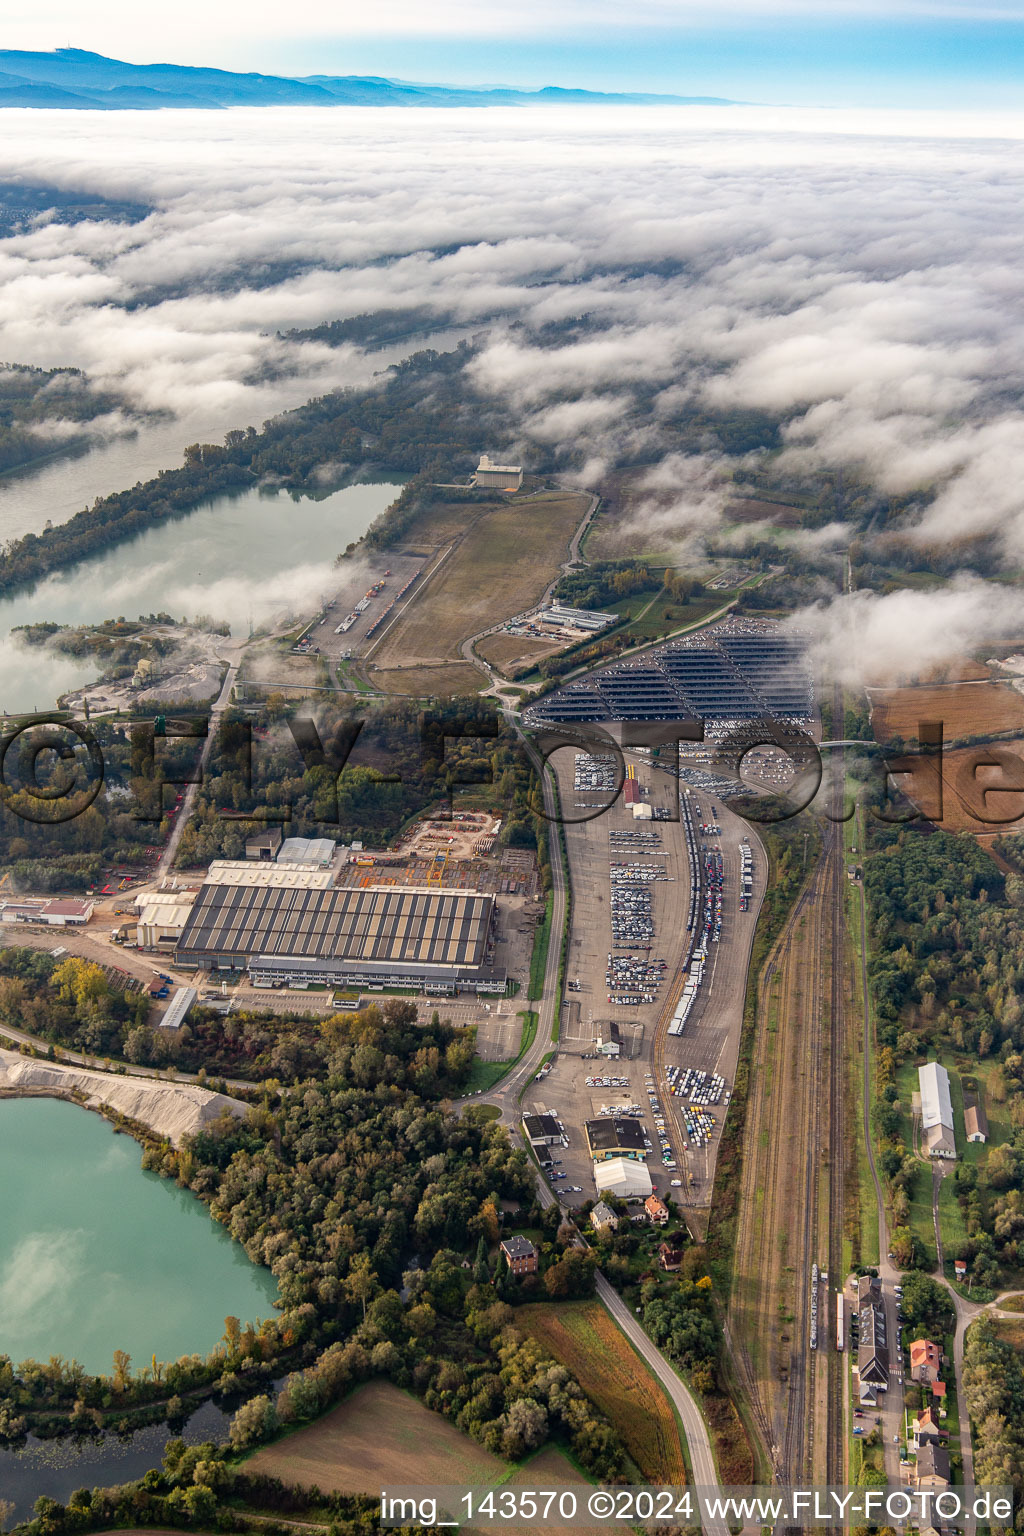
966	710
378	1437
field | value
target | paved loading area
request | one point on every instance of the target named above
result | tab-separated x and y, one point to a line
631	900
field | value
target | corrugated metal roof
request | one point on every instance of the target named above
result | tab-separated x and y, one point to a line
936	1108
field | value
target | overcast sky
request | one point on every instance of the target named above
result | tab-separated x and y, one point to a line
826	52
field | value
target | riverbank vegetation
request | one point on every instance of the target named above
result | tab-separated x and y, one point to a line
46	411
423	417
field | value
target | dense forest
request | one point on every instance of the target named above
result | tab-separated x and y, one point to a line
45	411
72	1004
379	1213
361	781
947	974
994	1386
605	582
375	329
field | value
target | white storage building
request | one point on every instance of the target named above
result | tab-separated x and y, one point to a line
936	1110
162	916
626	1177
497	477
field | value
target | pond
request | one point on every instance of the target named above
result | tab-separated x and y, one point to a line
98	1255
57	1467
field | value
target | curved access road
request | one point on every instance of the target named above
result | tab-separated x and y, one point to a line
702	1461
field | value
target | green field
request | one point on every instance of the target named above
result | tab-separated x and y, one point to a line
541	944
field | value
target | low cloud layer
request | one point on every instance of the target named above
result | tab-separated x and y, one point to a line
857	275
864	637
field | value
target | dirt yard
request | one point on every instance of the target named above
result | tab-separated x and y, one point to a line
506	652
437	681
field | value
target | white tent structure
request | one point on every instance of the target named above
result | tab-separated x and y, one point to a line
623	1176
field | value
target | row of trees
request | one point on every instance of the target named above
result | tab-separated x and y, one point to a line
994	1388
73	1006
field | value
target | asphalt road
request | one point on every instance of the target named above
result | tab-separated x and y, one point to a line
702	1461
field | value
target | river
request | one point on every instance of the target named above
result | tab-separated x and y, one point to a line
250	556
58	488
57	1467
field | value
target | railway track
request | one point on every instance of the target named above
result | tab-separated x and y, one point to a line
778	1194
801	986
836	1439
797	1441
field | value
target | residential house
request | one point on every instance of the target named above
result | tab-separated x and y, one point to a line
603	1218
925	1361
521	1254
656	1210
926	1429
669	1257
932	1470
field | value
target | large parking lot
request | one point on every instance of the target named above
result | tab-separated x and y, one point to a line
629	939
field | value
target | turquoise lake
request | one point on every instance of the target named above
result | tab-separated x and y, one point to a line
98	1255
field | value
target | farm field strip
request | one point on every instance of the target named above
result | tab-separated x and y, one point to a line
378	1435
583	1337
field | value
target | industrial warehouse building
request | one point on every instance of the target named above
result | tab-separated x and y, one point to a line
624	1177
543	1130
60	912
310	852
610	1137
936	1111
264	845
558	616
162	916
301	933
497	477
976	1122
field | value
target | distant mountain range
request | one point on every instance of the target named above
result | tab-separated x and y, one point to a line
74	79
